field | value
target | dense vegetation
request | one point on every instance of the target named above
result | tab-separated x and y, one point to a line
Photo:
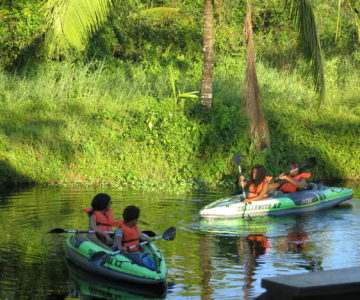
120	112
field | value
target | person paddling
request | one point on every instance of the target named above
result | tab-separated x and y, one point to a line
101	217
294	181
128	234
258	184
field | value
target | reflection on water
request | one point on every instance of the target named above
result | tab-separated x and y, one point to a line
208	259
89	286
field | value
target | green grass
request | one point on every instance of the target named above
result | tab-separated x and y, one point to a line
122	125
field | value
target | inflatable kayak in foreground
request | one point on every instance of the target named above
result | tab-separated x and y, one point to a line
80	250
318	198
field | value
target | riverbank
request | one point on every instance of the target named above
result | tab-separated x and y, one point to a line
127	126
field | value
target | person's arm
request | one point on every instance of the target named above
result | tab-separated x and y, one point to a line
144	237
274	185
264	191
100	232
118	240
300	184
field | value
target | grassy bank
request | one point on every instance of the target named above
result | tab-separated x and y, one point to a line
125	125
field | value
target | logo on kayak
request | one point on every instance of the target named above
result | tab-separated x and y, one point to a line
262	207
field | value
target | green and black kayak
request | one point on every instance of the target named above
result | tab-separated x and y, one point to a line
319	197
80	250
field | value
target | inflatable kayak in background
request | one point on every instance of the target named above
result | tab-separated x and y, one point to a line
150	270
89	285
318	198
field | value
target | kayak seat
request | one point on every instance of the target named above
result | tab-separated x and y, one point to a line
93	238
277	193
142	259
312	186
77	240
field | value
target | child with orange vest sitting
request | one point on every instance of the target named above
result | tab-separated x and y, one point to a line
292	182
258	184
101	217
129	235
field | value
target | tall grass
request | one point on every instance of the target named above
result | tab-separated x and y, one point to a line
100	124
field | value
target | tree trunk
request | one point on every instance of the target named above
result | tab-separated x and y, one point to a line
251	93
209	55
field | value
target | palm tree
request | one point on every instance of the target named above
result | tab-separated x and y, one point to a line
209	55
251	93
304	20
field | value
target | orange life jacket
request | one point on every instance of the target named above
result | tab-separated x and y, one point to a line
131	236
289	187
104	221
255	191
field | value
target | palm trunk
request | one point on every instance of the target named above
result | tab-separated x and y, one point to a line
251	93
209	55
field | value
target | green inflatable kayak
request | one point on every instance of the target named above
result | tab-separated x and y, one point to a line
318	198
80	250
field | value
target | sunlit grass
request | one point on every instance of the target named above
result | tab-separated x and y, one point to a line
69	124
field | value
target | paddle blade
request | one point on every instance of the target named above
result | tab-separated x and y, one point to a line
169	234
57	230
149	233
237	158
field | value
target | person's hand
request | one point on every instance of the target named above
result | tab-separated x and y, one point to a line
108	240
247	201
282	176
144	237
241	177
123	250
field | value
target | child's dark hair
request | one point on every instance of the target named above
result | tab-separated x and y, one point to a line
99	202
130	213
260	175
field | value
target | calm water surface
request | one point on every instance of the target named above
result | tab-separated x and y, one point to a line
207	260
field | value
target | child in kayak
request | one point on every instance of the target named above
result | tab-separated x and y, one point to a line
258	184
101	217
129	235
293	181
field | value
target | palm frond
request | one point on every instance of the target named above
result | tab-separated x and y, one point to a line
356	13
70	23
337	34
303	16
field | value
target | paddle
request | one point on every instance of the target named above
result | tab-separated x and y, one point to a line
236	159
168	235
60	230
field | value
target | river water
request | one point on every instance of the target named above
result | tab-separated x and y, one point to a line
207	260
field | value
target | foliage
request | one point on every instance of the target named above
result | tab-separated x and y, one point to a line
123	112
19	22
71	124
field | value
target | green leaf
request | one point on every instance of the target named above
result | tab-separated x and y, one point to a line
70	23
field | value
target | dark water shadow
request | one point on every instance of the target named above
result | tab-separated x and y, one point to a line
10	177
